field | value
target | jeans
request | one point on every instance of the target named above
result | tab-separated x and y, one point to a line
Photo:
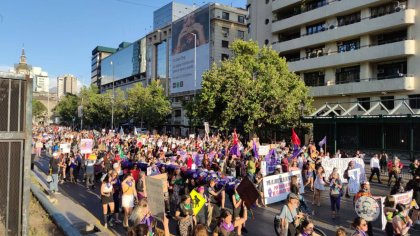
89	180
373	172
335	202
54	183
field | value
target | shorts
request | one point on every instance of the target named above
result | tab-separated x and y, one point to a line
127	201
107	199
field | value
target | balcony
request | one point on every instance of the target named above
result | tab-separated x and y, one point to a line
331	9
366	53
365	26
279	4
372	85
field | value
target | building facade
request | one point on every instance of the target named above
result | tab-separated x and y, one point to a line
350	53
41	81
98	54
169	13
66	84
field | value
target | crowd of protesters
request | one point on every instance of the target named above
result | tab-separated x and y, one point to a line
120	162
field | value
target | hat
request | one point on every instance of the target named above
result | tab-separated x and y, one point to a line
292	196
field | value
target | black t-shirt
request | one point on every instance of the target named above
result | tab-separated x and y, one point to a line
54	165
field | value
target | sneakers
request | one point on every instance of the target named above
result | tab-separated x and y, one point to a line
105	225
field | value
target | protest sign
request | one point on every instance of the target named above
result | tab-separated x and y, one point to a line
403	198
341	164
248	193
277	187
197	200
367	207
354	181
92	157
263	150
86	146
65	148
157	189
263	168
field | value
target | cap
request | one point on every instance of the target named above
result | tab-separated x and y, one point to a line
292	196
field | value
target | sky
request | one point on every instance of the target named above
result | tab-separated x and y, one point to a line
59	35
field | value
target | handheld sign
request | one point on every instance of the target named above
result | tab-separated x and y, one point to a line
368	208
86	146
65	148
197	200
248	193
157	189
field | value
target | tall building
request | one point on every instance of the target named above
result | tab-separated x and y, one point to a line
169	13
41	81
98	54
66	84
358	58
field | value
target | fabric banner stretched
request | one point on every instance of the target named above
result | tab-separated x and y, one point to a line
86	146
354	181
65	148
403	198
277	187
341	164
156	191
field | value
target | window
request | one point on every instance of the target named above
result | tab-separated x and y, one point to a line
241	19
267	1
414	101
314	79
348	19
241	34
392	70
349	45
392	37
225	44
316	28
364	102
177	113
266	42
347	75
225	31
267	21
225	56
225	16
387	8
388	102
315	52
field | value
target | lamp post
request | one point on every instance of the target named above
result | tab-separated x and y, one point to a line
113	97
195	63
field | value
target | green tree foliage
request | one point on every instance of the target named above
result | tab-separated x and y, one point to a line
39	110
67	108
148	104
254	88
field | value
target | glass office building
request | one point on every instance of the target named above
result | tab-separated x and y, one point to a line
170	12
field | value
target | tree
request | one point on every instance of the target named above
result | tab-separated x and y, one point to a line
39	110
253	88
148	104
67	108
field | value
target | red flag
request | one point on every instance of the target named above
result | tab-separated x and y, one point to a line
235	137
295	138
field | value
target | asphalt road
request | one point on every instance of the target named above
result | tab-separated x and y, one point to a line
262	222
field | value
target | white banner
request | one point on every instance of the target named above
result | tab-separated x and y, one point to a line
404	198
277	187
263	168
341	165
263	150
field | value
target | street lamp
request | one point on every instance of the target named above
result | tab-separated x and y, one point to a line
113	97
195	63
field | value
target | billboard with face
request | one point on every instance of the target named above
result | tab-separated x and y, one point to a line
194	27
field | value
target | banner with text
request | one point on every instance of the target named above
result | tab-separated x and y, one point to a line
277	187
341	164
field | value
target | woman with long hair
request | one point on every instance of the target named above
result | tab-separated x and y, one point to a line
401	222
319	185
389	209
335	193
185	216
129	196
360	226
107	199
228	225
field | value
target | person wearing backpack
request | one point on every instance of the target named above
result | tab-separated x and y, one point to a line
289	217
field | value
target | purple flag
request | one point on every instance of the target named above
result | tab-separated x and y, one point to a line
197	160
270	154
323	141
296	151
254	148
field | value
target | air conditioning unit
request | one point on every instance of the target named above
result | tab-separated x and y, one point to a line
400	7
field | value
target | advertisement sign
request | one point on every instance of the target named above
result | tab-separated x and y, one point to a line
277	187
86	146
190	29
65	148
354	181
341	165
197	200
368	208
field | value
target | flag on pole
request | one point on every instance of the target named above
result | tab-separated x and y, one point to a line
254	148
135	131
121	131
295	138
323	141
235	137
296	151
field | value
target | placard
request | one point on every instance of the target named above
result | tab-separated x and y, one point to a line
248	193
263	150
403	198
341	164
65	148
86	146
197	200
156	196
277	187
368	208
263	168
354	181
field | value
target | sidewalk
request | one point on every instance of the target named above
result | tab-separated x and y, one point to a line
78	216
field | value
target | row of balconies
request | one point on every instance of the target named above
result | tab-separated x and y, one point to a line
363	27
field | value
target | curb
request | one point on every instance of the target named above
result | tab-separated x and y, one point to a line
62	223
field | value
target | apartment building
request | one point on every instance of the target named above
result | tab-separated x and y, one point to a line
66	84
353	54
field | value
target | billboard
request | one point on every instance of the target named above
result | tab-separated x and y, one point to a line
182	64
125	63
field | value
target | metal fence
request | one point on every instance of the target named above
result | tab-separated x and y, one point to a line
14	92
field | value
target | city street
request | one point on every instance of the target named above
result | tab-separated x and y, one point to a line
260	224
